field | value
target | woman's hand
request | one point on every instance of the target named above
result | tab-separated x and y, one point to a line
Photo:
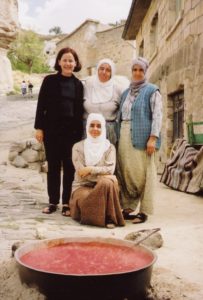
84	172
151	145
39	135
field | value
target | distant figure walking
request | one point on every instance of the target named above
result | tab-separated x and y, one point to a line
30	87
24	88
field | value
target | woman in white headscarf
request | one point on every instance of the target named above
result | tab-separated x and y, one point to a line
95	193
102	95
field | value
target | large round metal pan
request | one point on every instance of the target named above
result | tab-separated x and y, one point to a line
124	285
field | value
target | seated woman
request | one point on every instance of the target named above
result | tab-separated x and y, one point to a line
95	192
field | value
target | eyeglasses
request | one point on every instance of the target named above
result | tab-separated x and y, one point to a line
98	126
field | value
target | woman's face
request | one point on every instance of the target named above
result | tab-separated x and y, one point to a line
104	72
137	73
95	129
67	64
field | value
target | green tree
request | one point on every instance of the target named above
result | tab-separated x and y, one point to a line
26	53
56	30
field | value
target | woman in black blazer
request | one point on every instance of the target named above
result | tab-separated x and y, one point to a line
59	125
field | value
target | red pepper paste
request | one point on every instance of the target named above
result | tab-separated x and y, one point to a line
91	258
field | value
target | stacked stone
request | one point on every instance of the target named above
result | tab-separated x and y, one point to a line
27	154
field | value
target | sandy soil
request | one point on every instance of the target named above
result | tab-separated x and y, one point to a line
165	286
178	272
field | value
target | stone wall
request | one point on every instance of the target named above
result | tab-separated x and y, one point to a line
83	41
176	62
8	31
110	44
27	154
93	42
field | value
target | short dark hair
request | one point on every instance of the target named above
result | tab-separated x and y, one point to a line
78	66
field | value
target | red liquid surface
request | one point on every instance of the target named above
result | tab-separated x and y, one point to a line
87	258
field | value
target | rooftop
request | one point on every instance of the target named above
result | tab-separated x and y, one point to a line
136	15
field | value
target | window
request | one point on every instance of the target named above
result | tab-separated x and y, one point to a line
178	115
141	49
178	7
89	71
174	12
154	34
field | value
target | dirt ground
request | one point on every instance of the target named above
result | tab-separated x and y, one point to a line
178	271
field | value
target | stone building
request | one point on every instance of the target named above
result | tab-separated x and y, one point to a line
170	35
94	41
8	31
49	51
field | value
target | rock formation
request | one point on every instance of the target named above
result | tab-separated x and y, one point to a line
8	30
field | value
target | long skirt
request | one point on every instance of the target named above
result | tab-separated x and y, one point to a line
97	205
136	171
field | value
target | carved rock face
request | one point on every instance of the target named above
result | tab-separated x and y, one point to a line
8	22
8	31
6	78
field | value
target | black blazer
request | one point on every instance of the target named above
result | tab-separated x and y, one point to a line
48	110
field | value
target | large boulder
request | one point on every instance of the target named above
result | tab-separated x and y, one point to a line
19	162
12	155
15	149
30	155
18	147
146	237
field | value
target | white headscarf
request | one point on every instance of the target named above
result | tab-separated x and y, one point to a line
102	92
94	148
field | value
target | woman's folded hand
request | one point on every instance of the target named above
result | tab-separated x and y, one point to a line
84	172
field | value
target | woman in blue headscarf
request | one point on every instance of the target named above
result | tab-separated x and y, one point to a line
139	126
